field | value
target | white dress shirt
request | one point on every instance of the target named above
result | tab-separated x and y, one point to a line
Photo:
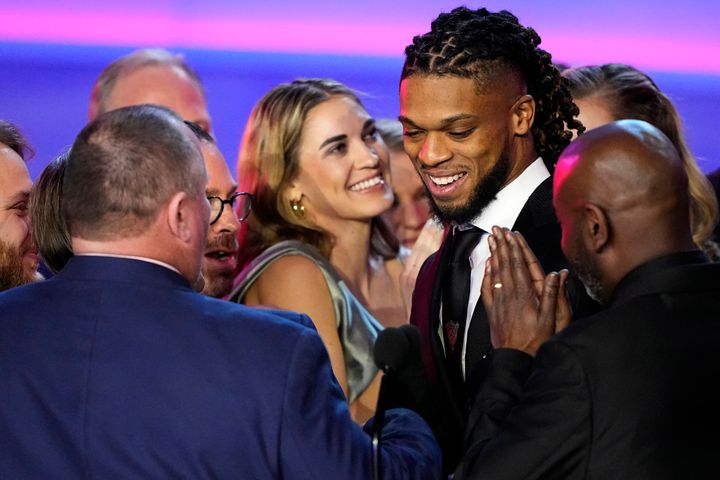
503	212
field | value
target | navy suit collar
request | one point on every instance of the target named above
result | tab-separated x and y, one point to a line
113	269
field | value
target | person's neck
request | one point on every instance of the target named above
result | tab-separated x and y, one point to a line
522	155
350	256
126	247
129	247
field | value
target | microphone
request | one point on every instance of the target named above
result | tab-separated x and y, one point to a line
392	348
391	353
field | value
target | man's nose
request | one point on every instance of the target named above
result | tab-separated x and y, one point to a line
434	151
228	221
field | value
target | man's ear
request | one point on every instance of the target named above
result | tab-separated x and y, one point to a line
596	227
523	111
179	217
94	103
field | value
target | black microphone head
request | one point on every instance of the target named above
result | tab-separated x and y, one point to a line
391	349
412	334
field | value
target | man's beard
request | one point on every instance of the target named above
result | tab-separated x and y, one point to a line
484	193
218	281
586	269
12	270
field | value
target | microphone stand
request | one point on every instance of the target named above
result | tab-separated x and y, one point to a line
390	351
377	429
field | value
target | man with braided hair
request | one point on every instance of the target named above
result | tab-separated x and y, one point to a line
485	116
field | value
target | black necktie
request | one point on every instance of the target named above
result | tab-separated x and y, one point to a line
456	288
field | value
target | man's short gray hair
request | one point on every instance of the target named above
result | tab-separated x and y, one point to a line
124	166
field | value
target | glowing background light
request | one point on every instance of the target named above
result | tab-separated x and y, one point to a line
51	52
665	36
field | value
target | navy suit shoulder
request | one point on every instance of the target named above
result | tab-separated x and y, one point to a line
120	370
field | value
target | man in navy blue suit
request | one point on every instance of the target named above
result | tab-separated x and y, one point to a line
116	368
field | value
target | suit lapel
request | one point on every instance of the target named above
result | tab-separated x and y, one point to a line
442	257
539	226
436	298
426	308
478	348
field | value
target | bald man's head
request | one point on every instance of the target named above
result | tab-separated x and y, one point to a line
621	195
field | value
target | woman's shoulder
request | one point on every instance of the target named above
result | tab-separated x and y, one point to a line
293	266
292	281
290	259
283	265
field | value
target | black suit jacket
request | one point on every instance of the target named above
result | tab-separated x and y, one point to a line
621	394
445	404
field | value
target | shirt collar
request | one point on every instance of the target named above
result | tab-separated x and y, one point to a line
509	202
142	259
656	276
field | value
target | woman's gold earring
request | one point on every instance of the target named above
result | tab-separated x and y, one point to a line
298	208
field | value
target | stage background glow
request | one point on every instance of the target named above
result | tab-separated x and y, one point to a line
51	52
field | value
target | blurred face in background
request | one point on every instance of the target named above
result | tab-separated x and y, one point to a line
411	208
221	253
18	254
593	112
163	85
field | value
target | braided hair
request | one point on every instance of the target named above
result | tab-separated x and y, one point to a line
482	45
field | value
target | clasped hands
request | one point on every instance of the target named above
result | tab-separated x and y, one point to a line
525	307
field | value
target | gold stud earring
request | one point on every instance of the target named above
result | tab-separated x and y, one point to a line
298	208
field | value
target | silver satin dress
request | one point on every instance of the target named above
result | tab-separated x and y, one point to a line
356	327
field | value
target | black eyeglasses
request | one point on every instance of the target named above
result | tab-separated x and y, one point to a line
244	204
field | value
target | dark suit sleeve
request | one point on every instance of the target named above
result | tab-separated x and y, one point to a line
319	439
501	390
539	431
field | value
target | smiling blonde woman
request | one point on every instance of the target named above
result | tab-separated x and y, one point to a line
319	172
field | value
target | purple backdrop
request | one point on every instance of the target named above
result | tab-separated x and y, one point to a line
51	53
